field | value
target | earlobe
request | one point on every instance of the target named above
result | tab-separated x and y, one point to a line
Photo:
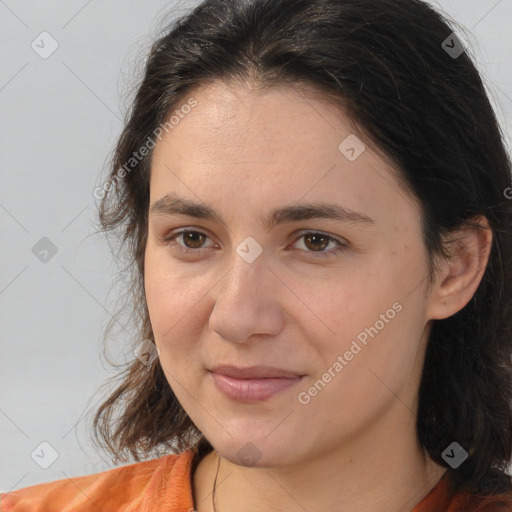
459	276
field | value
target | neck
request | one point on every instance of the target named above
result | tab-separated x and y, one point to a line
373	471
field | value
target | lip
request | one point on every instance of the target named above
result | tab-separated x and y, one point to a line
254	372
252	384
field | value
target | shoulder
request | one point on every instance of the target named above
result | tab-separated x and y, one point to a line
444	498
494	494
134	487
492	503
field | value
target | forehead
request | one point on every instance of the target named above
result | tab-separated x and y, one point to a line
269	145
247	119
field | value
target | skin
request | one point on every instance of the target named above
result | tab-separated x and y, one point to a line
353	446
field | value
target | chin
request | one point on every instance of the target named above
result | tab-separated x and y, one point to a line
257	452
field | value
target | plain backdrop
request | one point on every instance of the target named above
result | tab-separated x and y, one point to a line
60	117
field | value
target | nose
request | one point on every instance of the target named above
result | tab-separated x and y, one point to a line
246	304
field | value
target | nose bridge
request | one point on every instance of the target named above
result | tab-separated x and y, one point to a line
244	304
245	279
247	269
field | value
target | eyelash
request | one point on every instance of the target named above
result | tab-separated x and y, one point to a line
340	248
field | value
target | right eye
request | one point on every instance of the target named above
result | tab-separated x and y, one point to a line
192	240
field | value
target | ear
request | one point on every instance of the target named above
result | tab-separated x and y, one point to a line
458	277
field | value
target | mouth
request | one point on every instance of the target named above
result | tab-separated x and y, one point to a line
252	384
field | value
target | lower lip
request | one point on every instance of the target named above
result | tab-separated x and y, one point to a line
252	390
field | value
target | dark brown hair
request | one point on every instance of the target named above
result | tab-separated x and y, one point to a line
386	62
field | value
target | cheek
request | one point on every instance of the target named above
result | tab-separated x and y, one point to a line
357	381
334	309
173	307
173	300
368	319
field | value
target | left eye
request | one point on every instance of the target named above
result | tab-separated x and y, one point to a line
320	241
193	241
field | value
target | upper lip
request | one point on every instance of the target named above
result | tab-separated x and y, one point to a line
254	372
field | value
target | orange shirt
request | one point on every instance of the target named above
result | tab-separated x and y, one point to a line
165	485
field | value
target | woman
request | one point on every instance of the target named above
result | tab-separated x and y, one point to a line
314	197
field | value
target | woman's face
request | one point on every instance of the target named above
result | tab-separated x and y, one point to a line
335	299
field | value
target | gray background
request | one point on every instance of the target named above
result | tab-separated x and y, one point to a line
60	118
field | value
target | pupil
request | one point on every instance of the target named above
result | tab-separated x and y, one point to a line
316	237
190	238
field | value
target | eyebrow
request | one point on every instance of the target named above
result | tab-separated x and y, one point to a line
171	204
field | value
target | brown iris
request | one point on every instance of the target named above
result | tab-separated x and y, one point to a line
191	237
316	238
